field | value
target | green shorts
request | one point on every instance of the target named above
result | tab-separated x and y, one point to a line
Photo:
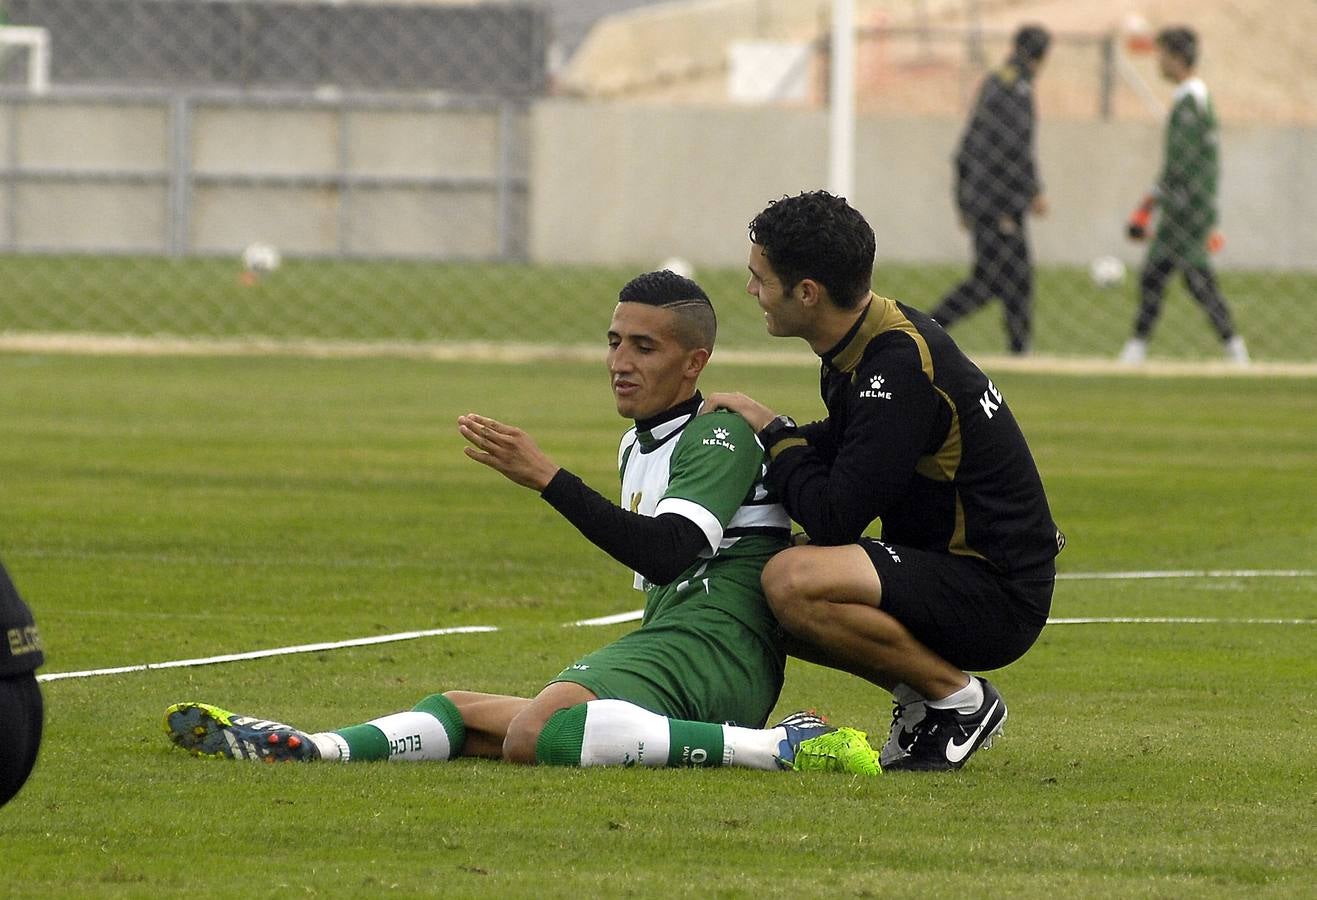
696	662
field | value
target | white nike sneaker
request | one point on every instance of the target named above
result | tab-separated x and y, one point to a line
1237	351
1134	352
944	739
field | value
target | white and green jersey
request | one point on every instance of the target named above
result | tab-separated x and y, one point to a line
708	469
708	648
1187	187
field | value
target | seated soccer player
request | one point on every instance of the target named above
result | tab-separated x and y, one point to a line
697	527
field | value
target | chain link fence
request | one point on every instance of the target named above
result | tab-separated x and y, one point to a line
381	172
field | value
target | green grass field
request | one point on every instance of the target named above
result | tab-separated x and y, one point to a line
445	302
160	508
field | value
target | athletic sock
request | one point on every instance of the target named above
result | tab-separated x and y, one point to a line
965	701
906	695
752	748
431	730
618	733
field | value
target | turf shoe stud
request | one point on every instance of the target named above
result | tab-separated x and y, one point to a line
205	730
945	739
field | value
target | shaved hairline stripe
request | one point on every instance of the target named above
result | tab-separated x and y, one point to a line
634	615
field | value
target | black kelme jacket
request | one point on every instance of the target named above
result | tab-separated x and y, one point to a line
919	437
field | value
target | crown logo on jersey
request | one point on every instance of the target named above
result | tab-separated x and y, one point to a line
719	439
875	389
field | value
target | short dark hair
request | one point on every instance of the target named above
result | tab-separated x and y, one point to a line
819	236
1031	42
1181	41
696	323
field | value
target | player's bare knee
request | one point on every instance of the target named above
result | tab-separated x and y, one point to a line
787	589
519	743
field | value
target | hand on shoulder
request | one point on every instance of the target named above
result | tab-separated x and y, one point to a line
754	412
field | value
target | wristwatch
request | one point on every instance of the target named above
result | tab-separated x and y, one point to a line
774	431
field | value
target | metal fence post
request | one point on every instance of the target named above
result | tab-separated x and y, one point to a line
179	215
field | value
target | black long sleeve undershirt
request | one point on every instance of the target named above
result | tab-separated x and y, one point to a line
658	547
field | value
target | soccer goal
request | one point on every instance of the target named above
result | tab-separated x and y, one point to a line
37	43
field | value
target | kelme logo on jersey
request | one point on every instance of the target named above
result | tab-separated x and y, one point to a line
719	439
991	400
875	389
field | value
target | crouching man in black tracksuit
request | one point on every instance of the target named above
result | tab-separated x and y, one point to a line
918	437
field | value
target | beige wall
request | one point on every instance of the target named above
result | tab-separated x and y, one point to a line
609	183
128	215
635	184
100	176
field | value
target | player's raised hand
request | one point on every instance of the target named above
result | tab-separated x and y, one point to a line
507	450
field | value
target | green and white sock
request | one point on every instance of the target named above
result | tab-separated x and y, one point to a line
617	733
431	730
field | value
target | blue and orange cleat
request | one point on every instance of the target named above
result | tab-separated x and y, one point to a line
205	730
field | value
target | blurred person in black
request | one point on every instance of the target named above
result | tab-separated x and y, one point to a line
997	183
20	698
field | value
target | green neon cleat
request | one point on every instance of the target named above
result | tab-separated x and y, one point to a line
843	750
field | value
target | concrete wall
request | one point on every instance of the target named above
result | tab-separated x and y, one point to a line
608	183
124	212
198	176
627	183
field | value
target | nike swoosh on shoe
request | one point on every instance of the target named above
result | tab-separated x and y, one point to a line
957	751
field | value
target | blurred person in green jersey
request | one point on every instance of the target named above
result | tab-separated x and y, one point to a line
1184	199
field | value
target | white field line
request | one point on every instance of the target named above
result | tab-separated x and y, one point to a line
636	614
614	619
1187	573
276	651
1174	620
1087	620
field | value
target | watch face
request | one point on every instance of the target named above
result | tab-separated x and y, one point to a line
776	427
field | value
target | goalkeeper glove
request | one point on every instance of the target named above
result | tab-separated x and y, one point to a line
1137	228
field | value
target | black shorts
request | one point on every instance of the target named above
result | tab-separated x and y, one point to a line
960	607
20	731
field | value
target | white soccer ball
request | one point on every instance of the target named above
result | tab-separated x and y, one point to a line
678	266
260	258
1107	271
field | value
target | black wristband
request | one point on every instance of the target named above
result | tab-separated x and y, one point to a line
774	431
